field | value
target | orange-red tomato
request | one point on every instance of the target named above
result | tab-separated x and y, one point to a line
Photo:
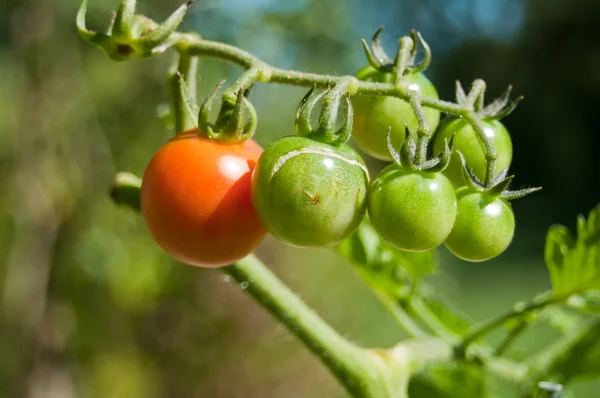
196	199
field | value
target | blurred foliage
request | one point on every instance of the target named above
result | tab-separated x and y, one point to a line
89	306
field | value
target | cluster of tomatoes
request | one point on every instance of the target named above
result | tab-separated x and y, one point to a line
210	203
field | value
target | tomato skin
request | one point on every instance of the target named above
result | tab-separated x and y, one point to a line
309	193
374	115
412	211
196	200
484	226
468	144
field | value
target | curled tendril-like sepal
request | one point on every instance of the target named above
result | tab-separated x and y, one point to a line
378	50
395	155
129	35
426	61
325	130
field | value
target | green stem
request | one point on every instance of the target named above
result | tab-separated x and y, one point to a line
401	62
195	45
424	313
562	357
510	338
353	366
400	316
490	152
186	66
487	326
423	131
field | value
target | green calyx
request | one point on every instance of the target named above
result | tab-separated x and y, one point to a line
405	59
325	131
499	186
130	35
231	124
412	154
498	109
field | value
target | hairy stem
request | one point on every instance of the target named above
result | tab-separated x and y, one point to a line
187	67
353	366
420	309
423	131
518	311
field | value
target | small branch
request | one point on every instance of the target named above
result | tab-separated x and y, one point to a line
400	316
490	152
563	356
487	326
510	338
423	131
420	309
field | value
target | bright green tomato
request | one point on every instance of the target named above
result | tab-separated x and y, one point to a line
484	226
468	144
308	193
374	115
412	211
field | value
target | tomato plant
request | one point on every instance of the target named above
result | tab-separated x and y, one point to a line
412	210
484	227
196	199
309	193
467	142
374	115
210	194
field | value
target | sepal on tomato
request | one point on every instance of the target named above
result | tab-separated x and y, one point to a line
379	59
231	125
406	157
498	109
325	130
500	183
130	35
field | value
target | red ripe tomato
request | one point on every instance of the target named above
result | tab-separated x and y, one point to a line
196	199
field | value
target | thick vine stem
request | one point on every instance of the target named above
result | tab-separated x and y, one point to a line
358	369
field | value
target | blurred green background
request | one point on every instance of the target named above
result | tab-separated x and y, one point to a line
89	305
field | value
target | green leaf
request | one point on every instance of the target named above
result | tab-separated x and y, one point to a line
574	263
385	268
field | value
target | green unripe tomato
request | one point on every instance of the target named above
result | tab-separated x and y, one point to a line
468	144
374	115
484	227
308	193
412	211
